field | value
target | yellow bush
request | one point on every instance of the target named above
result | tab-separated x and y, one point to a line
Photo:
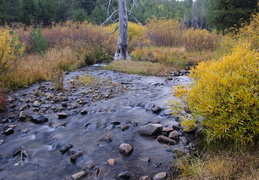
11	50
250	33
226	94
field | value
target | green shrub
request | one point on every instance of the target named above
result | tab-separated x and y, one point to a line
38	41
226	94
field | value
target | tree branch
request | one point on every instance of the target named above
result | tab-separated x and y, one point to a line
109	18
113	31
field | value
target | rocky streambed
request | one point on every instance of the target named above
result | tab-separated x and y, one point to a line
117	128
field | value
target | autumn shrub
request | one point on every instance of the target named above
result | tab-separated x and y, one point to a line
199	40
11	50
225	94
164	32
250	33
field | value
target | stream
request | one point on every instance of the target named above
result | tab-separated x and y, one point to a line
49	134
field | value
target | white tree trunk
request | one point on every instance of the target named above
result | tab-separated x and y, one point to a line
122	43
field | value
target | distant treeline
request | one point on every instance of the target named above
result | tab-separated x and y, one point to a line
219	14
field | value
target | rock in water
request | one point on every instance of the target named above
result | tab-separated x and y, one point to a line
145	178
151	129
62	115
78	175
174	135
111	162
164	139
125	149
160	176
39	119
65	148
124	175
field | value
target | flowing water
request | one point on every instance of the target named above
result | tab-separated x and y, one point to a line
33	150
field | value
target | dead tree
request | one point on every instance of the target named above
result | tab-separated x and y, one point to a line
122	42
122	51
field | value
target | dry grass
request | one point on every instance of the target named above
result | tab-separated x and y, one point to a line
241	166
141	68
175	57
34	68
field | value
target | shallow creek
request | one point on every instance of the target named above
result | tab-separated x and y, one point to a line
95	128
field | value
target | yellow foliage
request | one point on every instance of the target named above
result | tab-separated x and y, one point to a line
11	50
226	94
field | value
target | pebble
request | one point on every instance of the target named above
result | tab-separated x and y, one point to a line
111	162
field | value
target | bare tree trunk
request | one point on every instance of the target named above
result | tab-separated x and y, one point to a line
122	43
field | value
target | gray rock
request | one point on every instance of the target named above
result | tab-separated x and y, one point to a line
166	131
24	117
174	135
125	149
145	178
62	115
74	156
164	139
9	131
160	176
36	103
124	175
83	112
23	107
123	128
156	109
65	148
149	106
79	175
39	119
151	129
